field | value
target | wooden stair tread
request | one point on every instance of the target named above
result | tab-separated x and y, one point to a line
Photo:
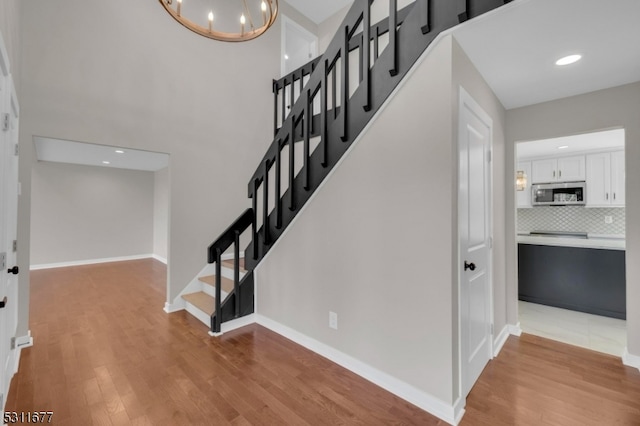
229	264
227	284
202	301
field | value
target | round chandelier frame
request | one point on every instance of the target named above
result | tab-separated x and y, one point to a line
269	14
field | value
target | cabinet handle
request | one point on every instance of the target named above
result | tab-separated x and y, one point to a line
607	195
560	173
554	173
614	195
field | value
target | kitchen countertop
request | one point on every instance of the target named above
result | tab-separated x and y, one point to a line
596	241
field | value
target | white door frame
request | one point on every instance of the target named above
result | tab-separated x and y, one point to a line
465	100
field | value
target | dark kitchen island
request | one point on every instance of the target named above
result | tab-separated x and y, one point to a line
572	275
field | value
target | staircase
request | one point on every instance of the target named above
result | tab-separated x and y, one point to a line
319	111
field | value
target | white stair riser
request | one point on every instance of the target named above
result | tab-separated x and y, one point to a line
202	316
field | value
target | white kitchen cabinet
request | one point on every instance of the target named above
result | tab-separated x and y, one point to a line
523	198
563	169
605	179
617	178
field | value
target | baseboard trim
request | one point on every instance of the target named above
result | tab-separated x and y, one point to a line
515	330
458	409
630	360
172	307
409	393
499	341
90	261
160	259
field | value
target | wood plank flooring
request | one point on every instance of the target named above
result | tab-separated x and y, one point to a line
106	354
536	381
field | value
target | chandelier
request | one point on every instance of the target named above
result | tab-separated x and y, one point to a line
199	16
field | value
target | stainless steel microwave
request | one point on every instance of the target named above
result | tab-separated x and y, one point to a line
559	194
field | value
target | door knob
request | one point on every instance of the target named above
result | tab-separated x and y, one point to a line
468	265
13	270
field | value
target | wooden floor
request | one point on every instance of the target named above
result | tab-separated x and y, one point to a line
105	353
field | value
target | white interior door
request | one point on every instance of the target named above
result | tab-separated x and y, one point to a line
8	226
475	130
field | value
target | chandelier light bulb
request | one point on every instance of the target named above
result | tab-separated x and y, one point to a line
211	16
242	19
179	7
263	6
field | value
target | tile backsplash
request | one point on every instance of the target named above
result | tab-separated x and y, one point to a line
572	219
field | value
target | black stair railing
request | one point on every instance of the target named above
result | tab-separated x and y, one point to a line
240	300
321	106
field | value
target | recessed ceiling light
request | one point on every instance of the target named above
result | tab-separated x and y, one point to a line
119	151
568	60
106	162
563	147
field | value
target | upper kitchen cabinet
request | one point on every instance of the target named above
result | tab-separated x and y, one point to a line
606	179
523	198
563	169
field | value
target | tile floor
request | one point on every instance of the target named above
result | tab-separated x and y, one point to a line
602	334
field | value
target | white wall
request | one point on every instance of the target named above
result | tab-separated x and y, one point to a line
161	213
82	213
605	109
373	247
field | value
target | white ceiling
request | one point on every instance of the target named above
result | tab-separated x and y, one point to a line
609	139
319	11
62	151
516	46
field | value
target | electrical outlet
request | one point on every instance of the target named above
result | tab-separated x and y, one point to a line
608	219
333	320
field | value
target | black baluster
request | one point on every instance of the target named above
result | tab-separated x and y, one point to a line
277	200
307	133
366	65
236	272
345	85
265	203
463	10
334	90
424	13
284	100
292	200
292	92
393	35
275	107
217	319
323	113
254	225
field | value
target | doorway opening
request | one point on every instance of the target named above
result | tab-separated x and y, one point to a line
571	254
97	203
299	46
